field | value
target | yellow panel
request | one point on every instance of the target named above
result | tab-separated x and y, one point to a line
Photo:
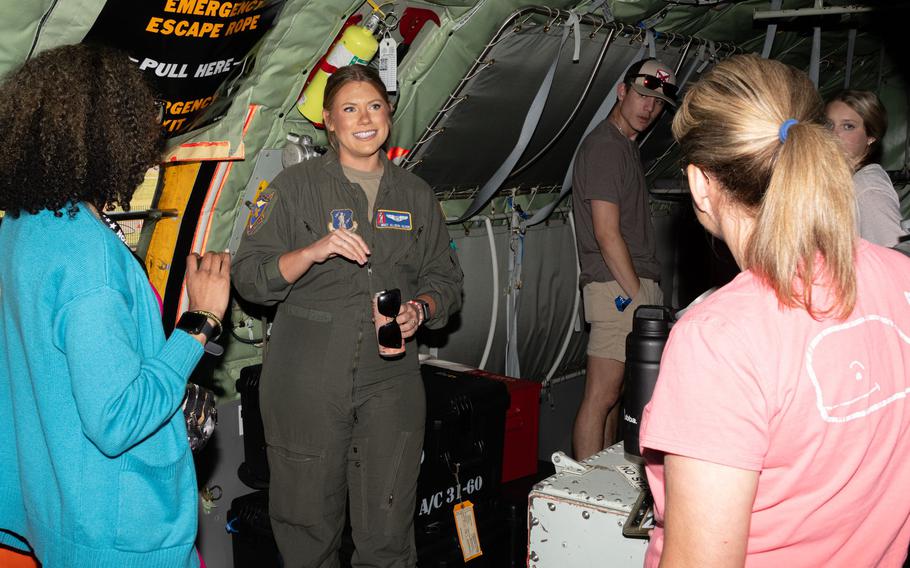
197	151
175	193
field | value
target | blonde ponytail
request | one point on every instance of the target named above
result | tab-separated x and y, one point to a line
795	182
807	215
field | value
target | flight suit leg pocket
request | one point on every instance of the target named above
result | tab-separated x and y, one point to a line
296	486
294	374
400	487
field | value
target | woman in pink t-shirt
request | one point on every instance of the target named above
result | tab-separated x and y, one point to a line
779	430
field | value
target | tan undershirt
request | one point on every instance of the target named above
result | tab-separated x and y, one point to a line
369	182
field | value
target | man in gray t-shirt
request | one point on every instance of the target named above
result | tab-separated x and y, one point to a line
616	244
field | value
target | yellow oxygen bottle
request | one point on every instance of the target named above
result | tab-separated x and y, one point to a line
357	45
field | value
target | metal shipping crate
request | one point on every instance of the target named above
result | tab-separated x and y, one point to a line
576	516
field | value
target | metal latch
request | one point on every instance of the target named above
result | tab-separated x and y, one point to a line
565	464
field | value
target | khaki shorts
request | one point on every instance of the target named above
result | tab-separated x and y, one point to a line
609	326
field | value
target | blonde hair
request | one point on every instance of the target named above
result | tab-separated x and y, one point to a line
799	190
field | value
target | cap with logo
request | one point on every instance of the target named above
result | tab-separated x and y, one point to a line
651	78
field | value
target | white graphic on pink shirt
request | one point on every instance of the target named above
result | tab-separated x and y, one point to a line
847	387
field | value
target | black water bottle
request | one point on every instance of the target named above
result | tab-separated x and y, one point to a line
644	346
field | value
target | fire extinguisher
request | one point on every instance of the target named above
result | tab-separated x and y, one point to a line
357	45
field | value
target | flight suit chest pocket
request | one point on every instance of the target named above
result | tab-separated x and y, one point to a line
404	247
308	233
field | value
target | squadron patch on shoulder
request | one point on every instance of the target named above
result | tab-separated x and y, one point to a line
389	219
259	208
343	219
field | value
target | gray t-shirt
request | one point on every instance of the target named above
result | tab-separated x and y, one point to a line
877	207
368	181
608	168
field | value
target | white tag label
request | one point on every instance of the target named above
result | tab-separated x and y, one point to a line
633	474
240	420
467	530
388	63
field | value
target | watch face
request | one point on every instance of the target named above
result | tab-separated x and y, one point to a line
192	322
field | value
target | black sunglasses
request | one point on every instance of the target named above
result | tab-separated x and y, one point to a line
654	83
388	303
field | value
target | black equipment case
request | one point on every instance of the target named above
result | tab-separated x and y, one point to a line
465	428
464	435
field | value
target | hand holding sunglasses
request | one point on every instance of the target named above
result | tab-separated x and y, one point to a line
386	306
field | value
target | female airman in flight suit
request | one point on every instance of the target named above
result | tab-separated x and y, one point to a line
341	421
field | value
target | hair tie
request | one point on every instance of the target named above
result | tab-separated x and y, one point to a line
782	133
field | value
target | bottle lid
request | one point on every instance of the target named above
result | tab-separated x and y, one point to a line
651	320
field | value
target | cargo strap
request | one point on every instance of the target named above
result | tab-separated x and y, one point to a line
516	256
769	35
848	67
489	189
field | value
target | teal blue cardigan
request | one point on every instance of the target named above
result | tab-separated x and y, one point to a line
95	468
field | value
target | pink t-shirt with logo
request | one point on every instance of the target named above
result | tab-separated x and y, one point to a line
819	408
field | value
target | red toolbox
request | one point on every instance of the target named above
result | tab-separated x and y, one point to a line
519	452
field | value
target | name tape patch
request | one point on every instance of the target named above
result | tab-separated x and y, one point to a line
389	219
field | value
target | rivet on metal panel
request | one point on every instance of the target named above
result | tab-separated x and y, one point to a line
534	557
552	506
585	515
535	521
583	494
538	486
600	497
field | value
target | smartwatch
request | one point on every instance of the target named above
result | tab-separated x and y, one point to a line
423	308
196	323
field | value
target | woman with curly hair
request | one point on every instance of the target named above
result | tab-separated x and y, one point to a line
95	467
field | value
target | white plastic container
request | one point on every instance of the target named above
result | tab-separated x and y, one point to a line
575	516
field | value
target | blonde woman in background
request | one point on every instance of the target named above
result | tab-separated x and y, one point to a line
779	429
860	121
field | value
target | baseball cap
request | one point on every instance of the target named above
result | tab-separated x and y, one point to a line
651	78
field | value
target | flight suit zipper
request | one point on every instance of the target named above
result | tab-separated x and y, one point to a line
360	201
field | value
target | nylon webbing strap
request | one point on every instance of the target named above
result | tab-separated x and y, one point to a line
492	185
598	117
851	45
699	58
608	15
816	50
816	55
516	256
769	35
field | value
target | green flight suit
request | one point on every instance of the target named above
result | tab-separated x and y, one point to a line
338	418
